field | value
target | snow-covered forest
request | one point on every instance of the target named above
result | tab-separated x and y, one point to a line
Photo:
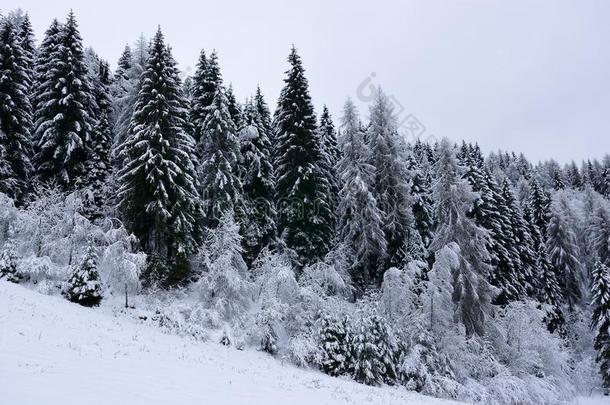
334	243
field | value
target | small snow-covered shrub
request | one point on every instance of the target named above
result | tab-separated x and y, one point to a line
373	354
335	349
84	286
223	285
302	350
8	263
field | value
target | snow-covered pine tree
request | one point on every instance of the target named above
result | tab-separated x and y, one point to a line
63	117
265	115
490	210
206	81
235	109
599	232
15	115
125	90
121	74
360	221
563	253
335	336
256	173
305	219
367	367
26	37
549	292
221	188
328	136
539	203
98	165
42	65
158	185
421	184
600	320
8	263
453	198
373	353
84	286
523	244
390	185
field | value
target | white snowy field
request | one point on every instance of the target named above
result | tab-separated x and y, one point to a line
56	352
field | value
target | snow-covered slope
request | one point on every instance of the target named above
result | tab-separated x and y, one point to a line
55	352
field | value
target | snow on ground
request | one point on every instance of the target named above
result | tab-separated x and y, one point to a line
56	352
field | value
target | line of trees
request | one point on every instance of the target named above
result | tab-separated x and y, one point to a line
174	159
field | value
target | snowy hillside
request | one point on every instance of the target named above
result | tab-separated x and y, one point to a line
55	352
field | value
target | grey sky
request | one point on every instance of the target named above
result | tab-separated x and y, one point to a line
531	76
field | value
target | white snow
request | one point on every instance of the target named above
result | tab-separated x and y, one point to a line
56	352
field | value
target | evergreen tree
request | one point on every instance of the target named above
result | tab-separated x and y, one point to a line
491	211
360	220
599	233
257	182
563	252
63	118
328	136
221	188
98	164
367	367
125	90
601	320
121	74
8	263
453	198
206	82
235	110
84	286
265	115
42	63
390	183
15	115
26	36
334	342
539	203
304	212
421	184
158	185
523	244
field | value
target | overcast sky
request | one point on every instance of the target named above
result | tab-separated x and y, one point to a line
531	76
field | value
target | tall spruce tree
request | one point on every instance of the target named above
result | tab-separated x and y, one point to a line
563	253
158	184
221	188
360	221
539	203
524	255
235	109
328	136
265	115
125	90
206	81
421	184
258	184
15	115
304	211
453	198
42	65
391	183
600	321
63	117
98	165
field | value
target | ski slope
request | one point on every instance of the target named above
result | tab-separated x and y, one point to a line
56	352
